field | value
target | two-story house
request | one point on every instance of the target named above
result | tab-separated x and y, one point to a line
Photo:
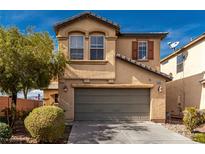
187	66
111	75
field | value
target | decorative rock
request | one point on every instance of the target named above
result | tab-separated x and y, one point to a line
200	129
178	128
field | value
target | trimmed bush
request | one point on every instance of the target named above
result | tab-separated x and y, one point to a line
3	120
199	137
46	123
193	118
21	115
202	113
5	132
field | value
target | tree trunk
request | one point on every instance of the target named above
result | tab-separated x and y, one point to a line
25	93
8	112
13	109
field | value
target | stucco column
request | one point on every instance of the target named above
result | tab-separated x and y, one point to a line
86	47
66	99
158	103
63	45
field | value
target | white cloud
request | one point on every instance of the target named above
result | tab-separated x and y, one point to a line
184	33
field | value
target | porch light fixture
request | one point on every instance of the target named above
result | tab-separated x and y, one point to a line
65	88
160	89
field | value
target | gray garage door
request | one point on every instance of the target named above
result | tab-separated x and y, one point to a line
112	104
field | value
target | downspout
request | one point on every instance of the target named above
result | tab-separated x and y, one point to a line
183	84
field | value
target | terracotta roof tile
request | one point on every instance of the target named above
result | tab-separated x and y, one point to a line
162	35
64	22
143	66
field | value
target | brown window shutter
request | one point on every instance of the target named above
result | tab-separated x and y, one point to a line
150	49
134	50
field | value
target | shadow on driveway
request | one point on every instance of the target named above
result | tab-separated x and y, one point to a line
110	132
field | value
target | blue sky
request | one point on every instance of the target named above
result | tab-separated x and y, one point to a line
181	25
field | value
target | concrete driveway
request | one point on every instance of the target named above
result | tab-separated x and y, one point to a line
109	132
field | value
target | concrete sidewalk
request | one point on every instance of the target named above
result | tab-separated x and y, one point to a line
98	132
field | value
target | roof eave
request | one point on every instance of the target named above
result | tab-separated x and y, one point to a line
162	35
71	19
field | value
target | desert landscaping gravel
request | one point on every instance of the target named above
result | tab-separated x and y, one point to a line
178	128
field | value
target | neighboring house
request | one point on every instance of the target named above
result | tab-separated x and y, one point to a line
35	94
111	75
50	94
187	66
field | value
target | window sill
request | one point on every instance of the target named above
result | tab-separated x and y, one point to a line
89	62
142	60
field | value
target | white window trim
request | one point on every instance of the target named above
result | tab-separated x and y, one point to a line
181	63
70	46
182	60
92	48
146	50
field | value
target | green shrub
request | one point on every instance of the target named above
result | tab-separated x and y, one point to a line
3	119
46	123
202	113
199	137
5	132
21	115
193	118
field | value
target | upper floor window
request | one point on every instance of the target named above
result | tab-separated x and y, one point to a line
165	62
97	47
76	47
142	50
180	63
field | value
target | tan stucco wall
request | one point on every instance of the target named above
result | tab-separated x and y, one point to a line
104	69
202	104
86	26
187	92
193	64
49	96
124	47
98	70
134	75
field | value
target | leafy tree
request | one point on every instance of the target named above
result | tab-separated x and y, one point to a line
27	61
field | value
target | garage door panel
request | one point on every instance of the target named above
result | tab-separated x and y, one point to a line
112	108
113	92
112	116
112	104
112	100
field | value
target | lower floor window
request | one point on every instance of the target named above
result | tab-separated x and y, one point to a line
96	54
